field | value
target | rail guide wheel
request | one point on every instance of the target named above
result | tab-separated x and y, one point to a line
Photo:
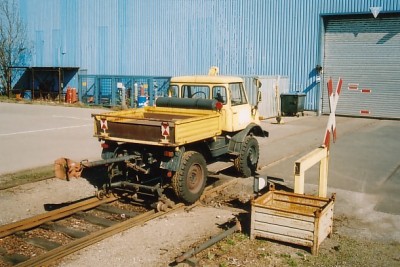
101	194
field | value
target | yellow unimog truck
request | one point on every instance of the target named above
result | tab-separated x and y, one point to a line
206	121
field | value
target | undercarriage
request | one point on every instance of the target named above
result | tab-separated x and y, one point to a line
129	173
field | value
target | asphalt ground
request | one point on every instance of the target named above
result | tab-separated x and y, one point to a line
364	163
365	157
34	135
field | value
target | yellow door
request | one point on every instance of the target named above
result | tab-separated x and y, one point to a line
240	107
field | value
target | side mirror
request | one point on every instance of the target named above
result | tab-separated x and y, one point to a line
257	82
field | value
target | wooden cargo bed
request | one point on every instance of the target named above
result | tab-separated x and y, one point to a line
144	125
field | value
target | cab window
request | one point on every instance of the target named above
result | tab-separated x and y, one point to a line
173	91
195	91
219	93
238	96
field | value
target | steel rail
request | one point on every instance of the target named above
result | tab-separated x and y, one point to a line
209	243
60	252
78	244
53	215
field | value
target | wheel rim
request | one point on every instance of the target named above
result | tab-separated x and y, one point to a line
195	178
252	156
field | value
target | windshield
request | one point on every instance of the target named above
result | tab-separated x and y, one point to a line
218	92
195	91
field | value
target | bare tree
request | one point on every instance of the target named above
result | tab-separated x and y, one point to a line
13	42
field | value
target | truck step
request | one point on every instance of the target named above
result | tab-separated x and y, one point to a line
217	167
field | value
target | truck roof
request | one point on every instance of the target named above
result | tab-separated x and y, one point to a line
206	79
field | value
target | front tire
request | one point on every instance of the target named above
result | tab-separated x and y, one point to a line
246	162
189	181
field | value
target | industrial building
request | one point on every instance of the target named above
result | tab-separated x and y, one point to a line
296	45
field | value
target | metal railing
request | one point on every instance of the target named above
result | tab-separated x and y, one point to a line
113	90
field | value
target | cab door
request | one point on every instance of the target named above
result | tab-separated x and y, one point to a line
220	93
240	107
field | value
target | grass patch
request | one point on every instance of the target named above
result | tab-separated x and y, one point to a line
26	176
289	260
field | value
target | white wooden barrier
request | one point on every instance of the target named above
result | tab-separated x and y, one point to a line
320	155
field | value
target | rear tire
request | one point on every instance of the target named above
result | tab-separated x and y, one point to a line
189	181
246	162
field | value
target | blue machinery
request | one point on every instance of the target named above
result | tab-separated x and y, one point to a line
129	91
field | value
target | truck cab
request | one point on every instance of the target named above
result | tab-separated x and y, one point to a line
236	111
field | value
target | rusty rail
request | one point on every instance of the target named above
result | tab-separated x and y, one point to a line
82	242
60	252
35	221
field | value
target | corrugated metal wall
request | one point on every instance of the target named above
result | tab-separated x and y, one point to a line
176	37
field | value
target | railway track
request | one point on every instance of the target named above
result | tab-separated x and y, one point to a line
45	238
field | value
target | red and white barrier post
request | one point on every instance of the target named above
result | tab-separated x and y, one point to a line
320	154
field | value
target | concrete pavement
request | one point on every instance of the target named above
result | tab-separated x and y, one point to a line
35	135
364	159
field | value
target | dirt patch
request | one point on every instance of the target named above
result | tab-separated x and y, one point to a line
239	250
358	238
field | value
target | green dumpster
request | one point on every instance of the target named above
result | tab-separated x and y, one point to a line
292	104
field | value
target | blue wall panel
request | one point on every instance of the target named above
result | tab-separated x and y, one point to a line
178	37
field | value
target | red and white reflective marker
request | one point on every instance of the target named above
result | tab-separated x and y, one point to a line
333	100
103	125
165	129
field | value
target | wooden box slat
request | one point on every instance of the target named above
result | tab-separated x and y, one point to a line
294	218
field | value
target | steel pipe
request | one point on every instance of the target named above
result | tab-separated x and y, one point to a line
209	243
88	164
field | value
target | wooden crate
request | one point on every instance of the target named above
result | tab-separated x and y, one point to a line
294	218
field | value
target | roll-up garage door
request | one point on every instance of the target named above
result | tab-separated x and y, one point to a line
365	53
